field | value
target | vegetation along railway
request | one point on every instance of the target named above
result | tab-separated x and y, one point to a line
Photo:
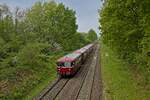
80	77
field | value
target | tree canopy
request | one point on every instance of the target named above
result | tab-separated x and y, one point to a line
125	27
92	36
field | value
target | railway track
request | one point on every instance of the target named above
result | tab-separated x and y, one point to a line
80	87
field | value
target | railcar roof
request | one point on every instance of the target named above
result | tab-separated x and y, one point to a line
83	49
80	50
69	57
72	56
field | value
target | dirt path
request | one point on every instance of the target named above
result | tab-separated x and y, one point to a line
85	85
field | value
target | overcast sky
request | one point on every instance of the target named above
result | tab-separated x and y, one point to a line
86	10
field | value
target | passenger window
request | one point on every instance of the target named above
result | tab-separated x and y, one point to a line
73	63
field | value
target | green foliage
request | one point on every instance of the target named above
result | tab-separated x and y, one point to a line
79	40
55	23
31	56
119	82
125	28
92	36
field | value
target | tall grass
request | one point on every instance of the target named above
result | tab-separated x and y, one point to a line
118	79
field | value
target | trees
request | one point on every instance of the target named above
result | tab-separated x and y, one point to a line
79	40
92	36
55	23
125	28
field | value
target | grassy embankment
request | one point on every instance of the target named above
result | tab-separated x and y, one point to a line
47	78
120	82
24	83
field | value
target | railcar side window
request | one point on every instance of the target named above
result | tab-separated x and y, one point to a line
73	63
79	59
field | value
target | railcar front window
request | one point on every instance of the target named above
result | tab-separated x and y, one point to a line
60	64
67	64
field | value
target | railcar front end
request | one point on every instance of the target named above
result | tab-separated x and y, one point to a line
65	68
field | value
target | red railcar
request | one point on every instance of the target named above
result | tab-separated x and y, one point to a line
69	64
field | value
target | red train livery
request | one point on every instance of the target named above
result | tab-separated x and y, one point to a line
69	64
